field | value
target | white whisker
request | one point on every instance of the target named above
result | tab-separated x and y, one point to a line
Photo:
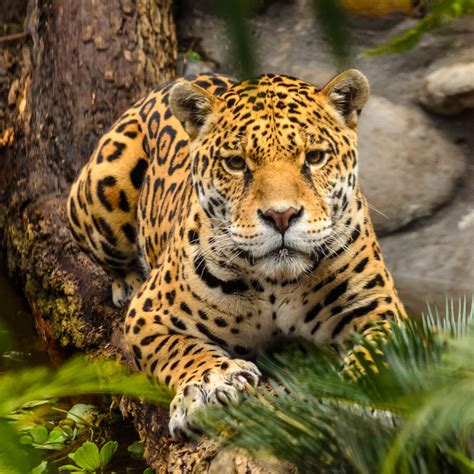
371	206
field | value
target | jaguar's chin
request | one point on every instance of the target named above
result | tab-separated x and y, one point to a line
283	263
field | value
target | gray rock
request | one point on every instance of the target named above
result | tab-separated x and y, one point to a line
407	167
449	90
435	260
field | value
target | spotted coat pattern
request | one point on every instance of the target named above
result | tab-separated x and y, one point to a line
232	213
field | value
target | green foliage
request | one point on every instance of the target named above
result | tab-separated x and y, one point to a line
83	415
88	458
76	378
136	448
412	410
441	12
192	55
28	398
332	19
235	13
41	468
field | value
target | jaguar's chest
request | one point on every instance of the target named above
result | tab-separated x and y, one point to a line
260	316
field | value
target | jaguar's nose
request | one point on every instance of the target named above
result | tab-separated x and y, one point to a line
281	220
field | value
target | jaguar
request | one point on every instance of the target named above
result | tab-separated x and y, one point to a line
230	216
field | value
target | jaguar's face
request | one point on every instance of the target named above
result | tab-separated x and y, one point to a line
274	166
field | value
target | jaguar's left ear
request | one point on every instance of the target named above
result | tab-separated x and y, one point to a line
191	105
347	93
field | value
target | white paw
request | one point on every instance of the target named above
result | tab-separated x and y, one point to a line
218	386
123	289
120	293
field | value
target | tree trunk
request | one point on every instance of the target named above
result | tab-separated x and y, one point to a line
78	66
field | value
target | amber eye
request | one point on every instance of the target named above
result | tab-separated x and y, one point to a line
235	163
315	158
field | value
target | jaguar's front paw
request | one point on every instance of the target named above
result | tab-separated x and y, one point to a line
217	386
123	289
120	293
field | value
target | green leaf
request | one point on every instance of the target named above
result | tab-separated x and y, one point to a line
40	468
193	56
39	434
38	403
70	467
235	15
26	439
442	12
82	414
106	453
148	470
67	430
57	435
13	458
50	447
136	448
332	19
87	456
75	378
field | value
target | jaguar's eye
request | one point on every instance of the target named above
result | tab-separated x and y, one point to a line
315	158
235	163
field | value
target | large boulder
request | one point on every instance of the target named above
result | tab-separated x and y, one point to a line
435	260
449	90
407	167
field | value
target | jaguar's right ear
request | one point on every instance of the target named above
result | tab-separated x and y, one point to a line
192	106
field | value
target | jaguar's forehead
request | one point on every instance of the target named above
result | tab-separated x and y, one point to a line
269	92
273	115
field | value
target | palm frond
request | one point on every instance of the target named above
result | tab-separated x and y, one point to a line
411	410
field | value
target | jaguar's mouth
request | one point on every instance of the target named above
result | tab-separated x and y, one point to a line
283	252
283	262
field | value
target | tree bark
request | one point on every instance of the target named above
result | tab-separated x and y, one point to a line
79	65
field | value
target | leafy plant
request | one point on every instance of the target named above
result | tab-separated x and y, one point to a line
83	415
76	378
235	14
136	448
441	12
192	55
333	20
89	458
39	437
411	410
28	390
41	468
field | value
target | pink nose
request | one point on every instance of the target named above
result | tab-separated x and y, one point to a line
282	219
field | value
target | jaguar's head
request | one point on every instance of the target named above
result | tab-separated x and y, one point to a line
274	164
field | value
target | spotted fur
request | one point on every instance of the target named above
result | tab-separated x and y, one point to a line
233	215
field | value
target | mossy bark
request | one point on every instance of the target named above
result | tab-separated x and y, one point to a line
79	65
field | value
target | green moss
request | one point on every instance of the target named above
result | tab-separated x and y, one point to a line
51	295
61	311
